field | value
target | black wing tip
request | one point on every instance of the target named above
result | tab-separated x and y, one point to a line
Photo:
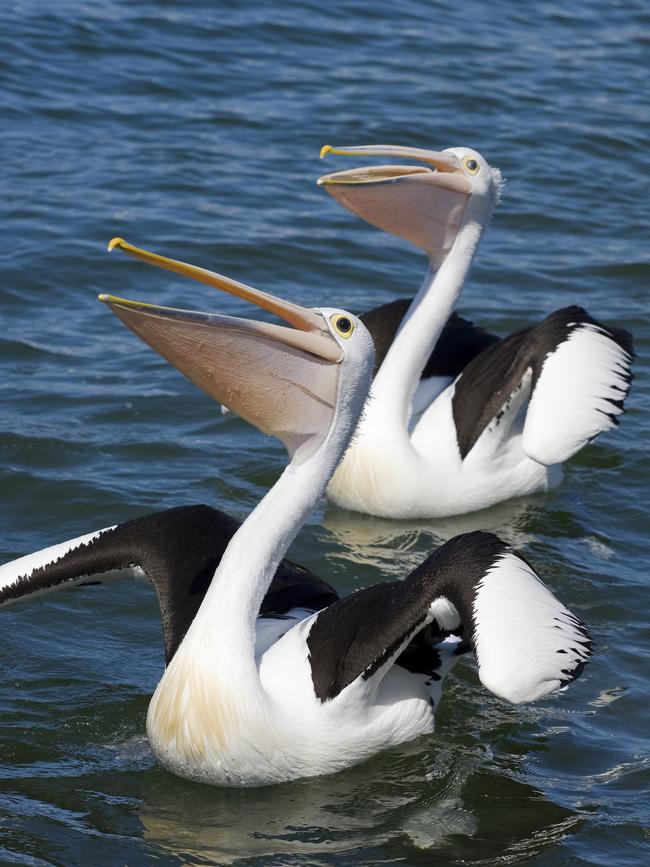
479	543
574	674
112	548
622	337
582	653
467	554
49	575
582	660
576	315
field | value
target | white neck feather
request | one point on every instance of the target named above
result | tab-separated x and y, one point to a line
225	622
210	698
231	605
398	377
211	691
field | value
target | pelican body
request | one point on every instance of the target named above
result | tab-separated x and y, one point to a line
270	676
506	419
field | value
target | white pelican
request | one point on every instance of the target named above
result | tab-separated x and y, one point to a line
429	446
258	691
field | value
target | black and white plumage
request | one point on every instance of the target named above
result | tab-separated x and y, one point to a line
574	372
460	340
474	588
270	676
475	593
505	418
178	550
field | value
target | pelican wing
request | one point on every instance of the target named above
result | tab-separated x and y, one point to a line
177	549
459	343
574	372
527	644
580	390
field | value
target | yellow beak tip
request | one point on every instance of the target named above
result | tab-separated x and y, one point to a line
326	149
126	302
115	242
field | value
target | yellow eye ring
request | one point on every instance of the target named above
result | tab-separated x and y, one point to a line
471	165
343	325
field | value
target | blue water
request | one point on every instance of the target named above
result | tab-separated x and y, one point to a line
194	129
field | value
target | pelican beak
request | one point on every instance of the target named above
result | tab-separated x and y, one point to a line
424	204
283	380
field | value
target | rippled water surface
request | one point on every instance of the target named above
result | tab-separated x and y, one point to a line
194	128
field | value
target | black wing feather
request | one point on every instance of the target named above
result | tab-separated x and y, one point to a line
179	550
527	644
491	378
458	344
355	636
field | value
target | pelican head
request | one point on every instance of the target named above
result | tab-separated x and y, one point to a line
290	382
426	204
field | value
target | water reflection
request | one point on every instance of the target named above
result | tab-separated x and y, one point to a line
419	797
396	546
325	815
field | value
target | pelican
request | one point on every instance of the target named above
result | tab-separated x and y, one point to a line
500	427
258	690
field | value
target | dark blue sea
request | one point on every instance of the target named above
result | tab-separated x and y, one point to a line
194	129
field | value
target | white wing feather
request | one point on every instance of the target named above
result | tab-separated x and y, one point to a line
527	643
578	395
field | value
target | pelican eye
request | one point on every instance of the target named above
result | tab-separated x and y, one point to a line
471	165
343	325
